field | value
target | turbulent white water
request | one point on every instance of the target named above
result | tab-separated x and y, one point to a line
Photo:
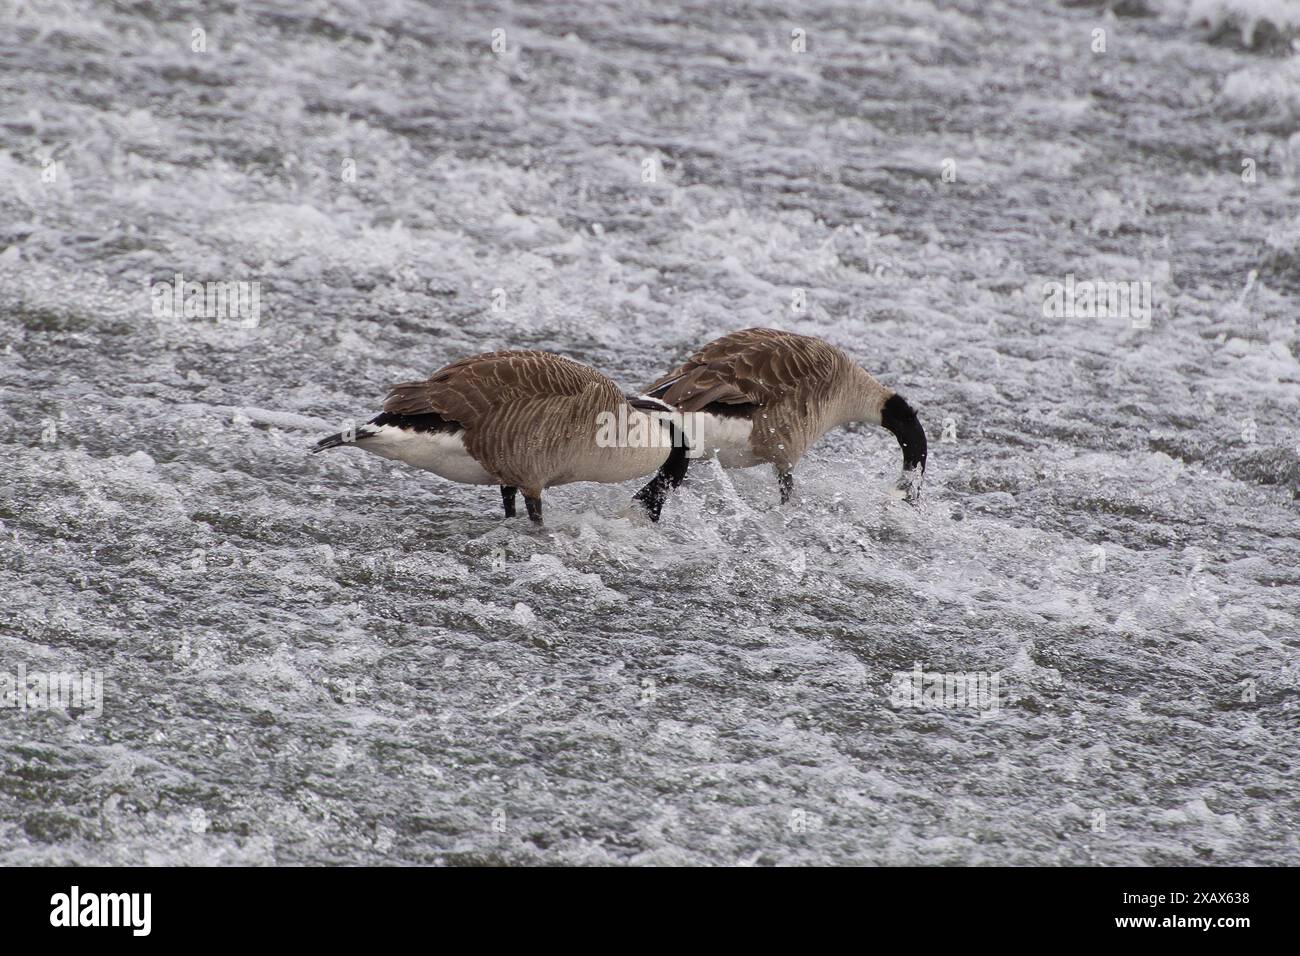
334	658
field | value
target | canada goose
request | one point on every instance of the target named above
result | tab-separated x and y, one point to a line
768	395
525	420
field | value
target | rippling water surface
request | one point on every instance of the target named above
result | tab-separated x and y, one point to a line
336	659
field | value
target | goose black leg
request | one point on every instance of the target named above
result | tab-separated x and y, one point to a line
534	507
508	499
786	480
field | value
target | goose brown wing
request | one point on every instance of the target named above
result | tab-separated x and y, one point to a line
475	389
753	366
515	406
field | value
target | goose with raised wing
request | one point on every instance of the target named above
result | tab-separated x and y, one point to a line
525	421
765	396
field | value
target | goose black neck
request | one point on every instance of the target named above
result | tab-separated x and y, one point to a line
671	472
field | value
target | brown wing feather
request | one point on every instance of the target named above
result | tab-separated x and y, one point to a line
790	378
470	389
753	366
521	410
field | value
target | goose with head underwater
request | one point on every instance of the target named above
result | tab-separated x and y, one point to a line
525	421
765	396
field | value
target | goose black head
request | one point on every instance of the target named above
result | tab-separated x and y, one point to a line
900	418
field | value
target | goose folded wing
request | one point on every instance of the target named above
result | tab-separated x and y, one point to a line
477	390
753	367
513	406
